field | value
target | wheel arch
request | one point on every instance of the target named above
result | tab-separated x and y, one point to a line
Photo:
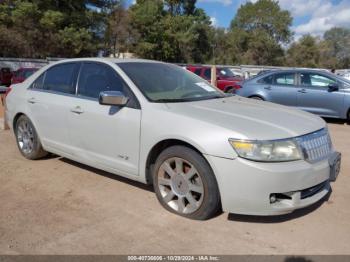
260	96
16	117
160	147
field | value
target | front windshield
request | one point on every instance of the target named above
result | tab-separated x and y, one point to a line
161	82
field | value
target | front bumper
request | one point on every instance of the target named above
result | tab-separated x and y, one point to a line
246	187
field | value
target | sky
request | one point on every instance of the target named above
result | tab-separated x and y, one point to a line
309	16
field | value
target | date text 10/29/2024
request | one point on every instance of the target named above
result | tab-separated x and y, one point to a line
173	258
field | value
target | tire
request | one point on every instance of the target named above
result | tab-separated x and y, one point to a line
348	118
27	138
185	183
230	90
257	98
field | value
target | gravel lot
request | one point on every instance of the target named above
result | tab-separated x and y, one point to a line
56	206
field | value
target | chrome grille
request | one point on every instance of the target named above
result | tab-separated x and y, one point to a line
316	146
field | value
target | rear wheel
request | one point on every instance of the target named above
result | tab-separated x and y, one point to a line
27	138
185	184
256	98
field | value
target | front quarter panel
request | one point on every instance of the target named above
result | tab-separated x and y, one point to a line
159	124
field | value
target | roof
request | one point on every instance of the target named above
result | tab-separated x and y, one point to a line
110	60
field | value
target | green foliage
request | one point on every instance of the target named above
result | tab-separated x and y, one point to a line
173	31
36	28
259	30
304	53
167	30
338	42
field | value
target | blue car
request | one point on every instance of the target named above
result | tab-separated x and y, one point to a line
315	91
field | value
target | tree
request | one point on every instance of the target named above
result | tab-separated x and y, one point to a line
304	53
338	41
172	30
120	35
44	28
260	29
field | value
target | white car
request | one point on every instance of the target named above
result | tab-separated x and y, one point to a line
153	122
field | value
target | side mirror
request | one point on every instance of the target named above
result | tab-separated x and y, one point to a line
333	87
113	98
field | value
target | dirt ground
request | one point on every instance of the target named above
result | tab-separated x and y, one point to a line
56	206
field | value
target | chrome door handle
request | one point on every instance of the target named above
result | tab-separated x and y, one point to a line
77	110
267	87
31	100
302	91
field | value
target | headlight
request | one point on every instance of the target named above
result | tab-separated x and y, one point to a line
267	151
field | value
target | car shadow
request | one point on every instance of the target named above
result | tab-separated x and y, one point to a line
280	218
108	175
335	121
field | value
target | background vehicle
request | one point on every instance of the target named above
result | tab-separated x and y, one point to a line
22	74
5	76
315	91
226	80
157	123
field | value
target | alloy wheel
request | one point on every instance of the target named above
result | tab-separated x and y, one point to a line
25	137
180	185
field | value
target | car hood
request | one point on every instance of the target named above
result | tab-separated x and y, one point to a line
250	119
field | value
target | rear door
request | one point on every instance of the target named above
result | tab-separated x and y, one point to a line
105	135
314	95
280	88
49	99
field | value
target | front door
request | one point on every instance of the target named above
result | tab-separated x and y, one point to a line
106	135
315	96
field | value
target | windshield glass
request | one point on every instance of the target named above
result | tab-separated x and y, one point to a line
161	82
226	72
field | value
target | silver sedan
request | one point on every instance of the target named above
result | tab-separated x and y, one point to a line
202	150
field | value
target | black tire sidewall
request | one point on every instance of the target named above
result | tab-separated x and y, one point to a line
211	200
256	98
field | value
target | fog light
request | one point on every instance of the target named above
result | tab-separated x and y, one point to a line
273	198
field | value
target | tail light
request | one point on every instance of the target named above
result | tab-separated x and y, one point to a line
8	90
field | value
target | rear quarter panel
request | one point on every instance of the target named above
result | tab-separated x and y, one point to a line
251	89
15	103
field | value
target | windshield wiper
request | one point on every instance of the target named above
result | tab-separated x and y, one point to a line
176	100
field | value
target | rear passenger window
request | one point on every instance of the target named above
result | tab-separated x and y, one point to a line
266	80
284	79
61	78
39	82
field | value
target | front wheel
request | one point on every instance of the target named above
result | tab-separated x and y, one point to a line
185	184
28	141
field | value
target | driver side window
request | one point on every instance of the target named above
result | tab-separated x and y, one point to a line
315	80
95	78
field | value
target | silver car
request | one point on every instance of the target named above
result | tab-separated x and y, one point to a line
157	123
315	91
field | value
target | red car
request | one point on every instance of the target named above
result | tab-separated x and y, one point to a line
226	80
5	76
22	74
